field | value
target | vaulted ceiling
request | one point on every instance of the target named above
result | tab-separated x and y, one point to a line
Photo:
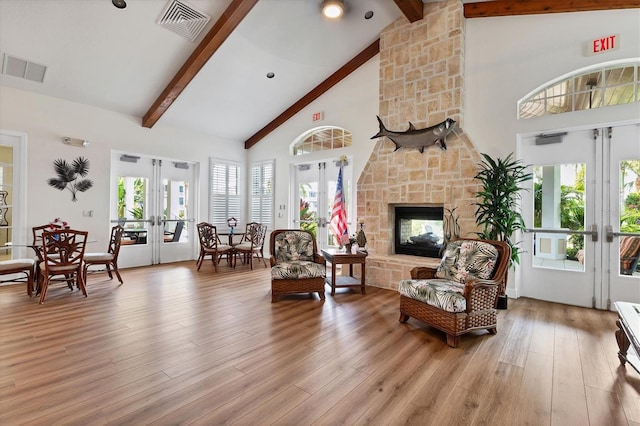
123	60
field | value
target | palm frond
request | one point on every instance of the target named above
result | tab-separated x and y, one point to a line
83	185
81	166
64	170
57	183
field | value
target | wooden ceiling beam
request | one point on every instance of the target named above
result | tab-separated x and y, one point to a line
224	26
412	9
360	59
534	7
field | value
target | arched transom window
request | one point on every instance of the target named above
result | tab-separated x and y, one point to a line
322	139
594	87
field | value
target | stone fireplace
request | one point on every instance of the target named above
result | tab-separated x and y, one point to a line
422	81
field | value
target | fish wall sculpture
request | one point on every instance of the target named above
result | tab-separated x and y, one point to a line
418	138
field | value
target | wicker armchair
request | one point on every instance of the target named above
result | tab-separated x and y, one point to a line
296	266
461	294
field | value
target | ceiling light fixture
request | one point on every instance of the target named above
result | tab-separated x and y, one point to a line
333	9
120	4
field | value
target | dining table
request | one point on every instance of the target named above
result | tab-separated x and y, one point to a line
233	237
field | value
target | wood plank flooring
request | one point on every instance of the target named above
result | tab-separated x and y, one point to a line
176	346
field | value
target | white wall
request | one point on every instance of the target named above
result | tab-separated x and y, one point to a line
45	120
351	104
508	57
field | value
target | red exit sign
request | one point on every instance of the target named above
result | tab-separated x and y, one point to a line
603	44
317	116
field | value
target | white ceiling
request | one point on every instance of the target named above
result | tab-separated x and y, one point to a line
121	60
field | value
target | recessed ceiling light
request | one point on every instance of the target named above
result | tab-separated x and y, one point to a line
270	75
332	9
120	4
368	15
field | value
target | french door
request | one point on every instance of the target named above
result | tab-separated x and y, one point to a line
13	195
314	194
581	210
153	199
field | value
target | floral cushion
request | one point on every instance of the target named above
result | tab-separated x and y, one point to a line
444	294
293	245
296	270
464	259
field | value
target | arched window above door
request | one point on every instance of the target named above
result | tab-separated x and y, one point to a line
602	85
321	139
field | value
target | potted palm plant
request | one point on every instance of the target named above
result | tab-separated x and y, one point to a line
497	210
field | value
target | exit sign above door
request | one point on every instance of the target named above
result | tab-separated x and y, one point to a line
602	44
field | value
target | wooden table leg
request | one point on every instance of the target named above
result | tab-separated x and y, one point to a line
333	278
623	342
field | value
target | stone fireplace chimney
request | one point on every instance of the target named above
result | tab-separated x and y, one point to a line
422	81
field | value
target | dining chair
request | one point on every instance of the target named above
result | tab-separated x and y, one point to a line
19	266
210	245
172	237
36	244
252	244
63	254
109	259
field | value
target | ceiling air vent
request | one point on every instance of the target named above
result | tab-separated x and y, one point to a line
184	19
24	69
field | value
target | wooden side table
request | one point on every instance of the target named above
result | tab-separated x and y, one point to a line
337	258
628	333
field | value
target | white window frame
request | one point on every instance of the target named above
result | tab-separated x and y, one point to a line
262	196
224	204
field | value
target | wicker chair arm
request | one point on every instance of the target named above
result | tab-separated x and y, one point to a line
480	294
422	273
318	258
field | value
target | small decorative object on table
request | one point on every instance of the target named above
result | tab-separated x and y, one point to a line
232	222
58	223
361	238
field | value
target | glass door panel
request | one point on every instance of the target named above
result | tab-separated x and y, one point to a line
6	200
559	206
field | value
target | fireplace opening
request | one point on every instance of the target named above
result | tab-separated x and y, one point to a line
419	230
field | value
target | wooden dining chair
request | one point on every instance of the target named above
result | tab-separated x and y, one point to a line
36	244
18	267
252	244
109	259
63	255
210	245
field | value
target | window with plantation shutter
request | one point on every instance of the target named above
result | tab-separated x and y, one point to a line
262	193
224	193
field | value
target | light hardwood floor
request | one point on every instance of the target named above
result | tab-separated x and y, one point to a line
173	345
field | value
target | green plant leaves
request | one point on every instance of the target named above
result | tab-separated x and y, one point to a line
497	209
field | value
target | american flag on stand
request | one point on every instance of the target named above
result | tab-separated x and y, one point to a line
338	223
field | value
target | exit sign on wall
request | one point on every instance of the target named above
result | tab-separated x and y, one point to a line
602	44
317	116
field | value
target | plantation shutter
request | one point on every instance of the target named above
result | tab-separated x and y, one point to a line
262	197
224	192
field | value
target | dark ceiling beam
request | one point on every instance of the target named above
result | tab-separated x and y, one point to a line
360	59
412	9
534	7
224	26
